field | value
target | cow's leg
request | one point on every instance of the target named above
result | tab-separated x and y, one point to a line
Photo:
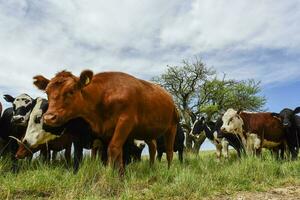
169	142
127	153
45	154
78	151
224	144
159	155
13	150
180	155
68	154
94	153
152	150
104	156
218	151
54	155
96	148
115	148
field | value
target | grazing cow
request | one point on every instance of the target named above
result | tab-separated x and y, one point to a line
291	124
133	151
178	144
256	130
213	133
63	142
117	106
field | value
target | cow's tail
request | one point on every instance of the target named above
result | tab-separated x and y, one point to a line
176	115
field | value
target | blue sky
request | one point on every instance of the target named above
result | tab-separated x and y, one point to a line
244	39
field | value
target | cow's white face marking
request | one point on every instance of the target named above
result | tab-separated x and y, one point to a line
232	122
35	134
139	143
21	110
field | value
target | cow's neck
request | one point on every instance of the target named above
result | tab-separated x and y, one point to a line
208	132
89	111
245	128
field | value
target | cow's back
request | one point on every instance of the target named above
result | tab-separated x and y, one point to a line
263	124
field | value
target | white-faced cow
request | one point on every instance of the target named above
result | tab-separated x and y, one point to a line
291	123
116	105
22	106
213	132
256	130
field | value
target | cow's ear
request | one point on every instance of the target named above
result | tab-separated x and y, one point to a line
297	110
40	82
85	78
275	115
8	98
239	111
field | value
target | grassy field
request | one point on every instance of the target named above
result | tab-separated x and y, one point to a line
199	177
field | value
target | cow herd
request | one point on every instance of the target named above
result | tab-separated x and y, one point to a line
115	115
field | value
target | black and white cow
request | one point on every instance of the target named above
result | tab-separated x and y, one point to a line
213	132
133	151
291	124
22	106
13	122
178	144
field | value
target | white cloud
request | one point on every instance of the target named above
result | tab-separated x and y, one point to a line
141	37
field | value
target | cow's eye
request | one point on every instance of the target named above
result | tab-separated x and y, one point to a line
229	121
69	93
37	120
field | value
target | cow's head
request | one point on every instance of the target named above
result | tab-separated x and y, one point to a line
232	122
22	106
65	95
139	144
197	128
35	134
218	126
286	116
22	152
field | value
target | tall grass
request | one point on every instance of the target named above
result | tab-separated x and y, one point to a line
199	177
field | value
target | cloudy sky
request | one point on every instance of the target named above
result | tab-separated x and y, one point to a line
244	39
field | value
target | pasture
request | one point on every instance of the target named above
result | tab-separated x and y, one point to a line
200	177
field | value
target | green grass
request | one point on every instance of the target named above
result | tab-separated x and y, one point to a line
199	177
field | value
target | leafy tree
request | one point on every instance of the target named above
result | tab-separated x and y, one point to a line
197	91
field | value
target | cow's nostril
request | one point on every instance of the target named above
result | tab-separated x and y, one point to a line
50	117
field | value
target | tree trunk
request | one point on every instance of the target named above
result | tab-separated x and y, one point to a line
188	138
188	142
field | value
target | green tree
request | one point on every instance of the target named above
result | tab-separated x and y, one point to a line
185	83
197	90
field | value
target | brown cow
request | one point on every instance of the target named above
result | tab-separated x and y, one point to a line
257	130
116	105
